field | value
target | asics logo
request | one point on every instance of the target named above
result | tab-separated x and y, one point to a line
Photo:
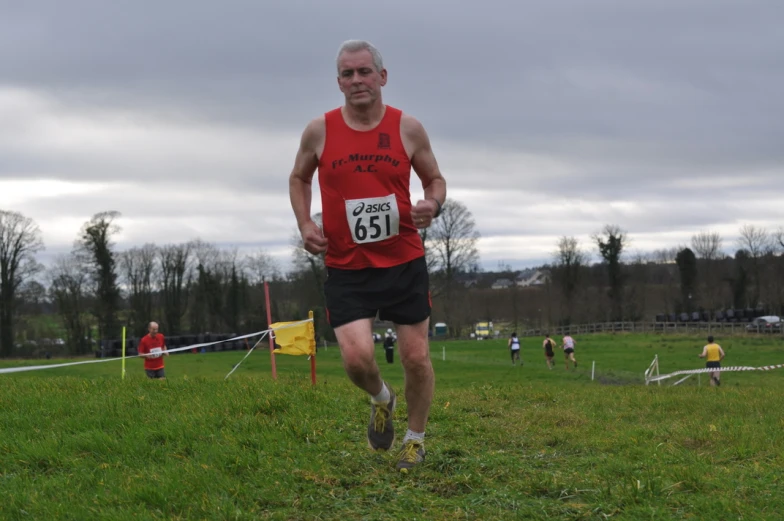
371	208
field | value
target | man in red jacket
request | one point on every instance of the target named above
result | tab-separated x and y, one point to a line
152	347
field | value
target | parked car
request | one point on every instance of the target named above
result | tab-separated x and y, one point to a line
766	324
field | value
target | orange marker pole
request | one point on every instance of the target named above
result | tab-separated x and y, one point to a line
269	321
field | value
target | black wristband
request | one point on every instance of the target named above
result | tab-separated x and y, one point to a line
438	212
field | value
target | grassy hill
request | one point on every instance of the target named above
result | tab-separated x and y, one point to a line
503	442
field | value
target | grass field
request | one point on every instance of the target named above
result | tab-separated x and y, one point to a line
503	442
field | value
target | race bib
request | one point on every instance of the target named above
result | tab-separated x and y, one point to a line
373	219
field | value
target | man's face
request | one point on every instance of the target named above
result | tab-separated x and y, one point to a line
153	329
358	78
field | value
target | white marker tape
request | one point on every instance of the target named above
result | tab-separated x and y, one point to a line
246	356
7	370
712	369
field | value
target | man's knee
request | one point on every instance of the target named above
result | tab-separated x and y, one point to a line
415	358
357	359
413	345
356	345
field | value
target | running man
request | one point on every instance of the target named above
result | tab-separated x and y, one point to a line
713	355
568	348
364	152
151	347
549	354
514	348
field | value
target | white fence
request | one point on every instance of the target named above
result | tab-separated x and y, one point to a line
683	328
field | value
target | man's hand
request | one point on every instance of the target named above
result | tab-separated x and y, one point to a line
313	238
424	212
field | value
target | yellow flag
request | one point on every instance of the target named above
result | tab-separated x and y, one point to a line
295	340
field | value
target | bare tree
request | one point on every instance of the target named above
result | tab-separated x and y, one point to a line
779	238
68	286
212	273
665	255
220	289
260	266
452	240
20	240
756	242
204	253
233	289
707	245
137	266
174	275
569	261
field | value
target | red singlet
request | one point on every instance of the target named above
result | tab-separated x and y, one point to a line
364	178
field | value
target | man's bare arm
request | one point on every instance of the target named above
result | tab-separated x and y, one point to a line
300	185
305	164
423	160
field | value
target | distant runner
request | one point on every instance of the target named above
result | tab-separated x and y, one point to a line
549	354
713	355
568	348
514	348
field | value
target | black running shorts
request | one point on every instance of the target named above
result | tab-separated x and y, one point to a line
399	294
713	365
155	373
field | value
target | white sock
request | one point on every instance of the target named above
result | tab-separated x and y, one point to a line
383	396
414	436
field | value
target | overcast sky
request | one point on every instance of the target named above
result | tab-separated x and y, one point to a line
548	118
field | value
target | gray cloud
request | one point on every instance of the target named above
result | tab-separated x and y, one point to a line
660	116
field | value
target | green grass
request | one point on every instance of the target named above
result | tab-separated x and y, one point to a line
503	442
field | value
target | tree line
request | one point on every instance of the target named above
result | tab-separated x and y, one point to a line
698	277
95	290
195	287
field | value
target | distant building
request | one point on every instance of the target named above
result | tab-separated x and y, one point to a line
468	280
502	284
533	278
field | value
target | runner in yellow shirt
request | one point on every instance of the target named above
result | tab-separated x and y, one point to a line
713	355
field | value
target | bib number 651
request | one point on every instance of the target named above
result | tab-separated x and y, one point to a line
377	227
373	219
